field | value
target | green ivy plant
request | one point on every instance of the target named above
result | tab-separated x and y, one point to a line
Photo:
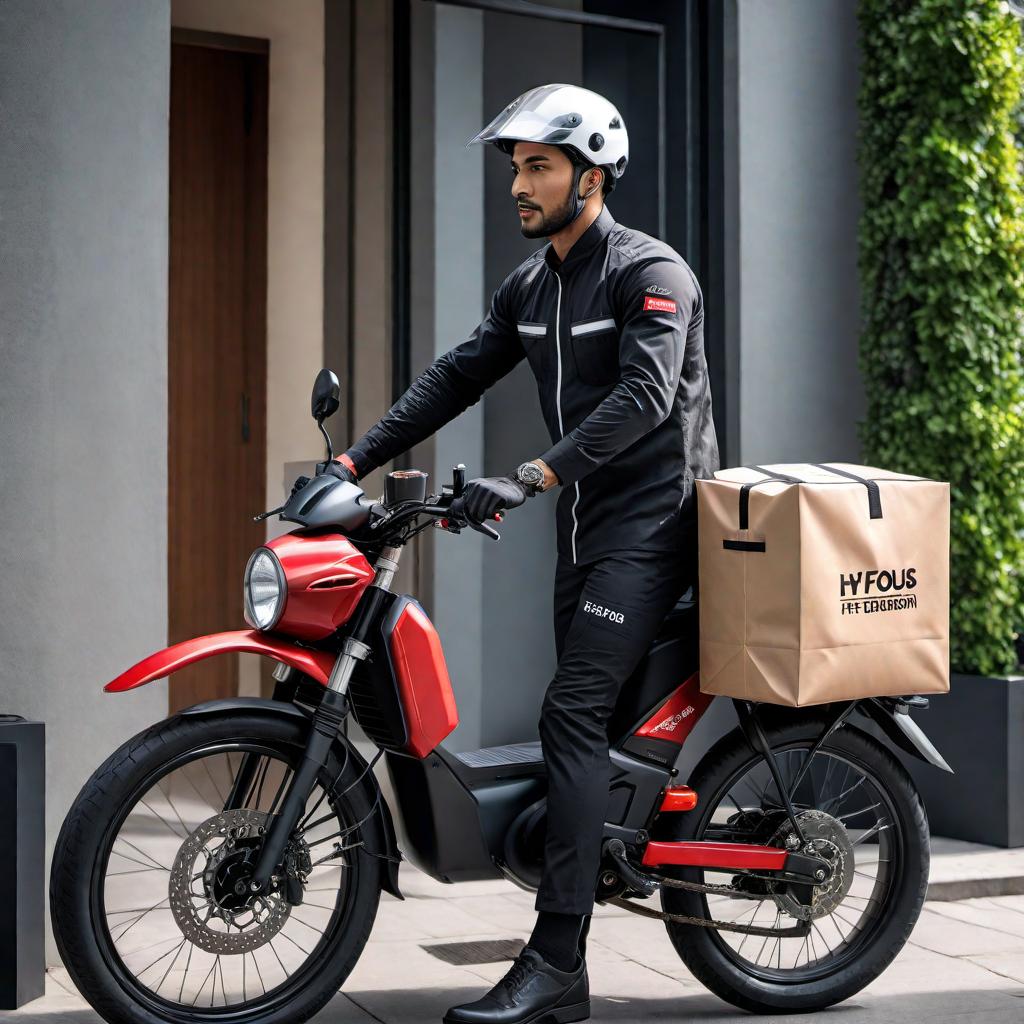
941	260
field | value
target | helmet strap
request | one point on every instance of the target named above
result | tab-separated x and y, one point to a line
578	202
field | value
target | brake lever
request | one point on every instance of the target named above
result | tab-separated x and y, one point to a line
267	515
457	511
484	528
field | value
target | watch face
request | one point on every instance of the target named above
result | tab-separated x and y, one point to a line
531	474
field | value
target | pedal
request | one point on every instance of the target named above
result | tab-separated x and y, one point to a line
644	884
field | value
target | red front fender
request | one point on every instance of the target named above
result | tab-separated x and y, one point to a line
316	664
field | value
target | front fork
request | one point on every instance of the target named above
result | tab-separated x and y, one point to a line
327	721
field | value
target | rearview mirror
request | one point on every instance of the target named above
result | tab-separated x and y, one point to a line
326	395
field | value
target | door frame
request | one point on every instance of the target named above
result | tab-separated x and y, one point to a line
260	674
219	40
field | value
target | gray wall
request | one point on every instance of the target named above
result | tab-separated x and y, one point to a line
458	584
491	602
83	351
446	296
800	390
520	571
790	244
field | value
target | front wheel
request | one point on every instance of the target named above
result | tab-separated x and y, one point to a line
860	804
148	895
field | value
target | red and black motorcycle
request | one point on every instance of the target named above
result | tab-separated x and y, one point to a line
226	864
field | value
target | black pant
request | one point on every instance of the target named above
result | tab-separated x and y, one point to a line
607	612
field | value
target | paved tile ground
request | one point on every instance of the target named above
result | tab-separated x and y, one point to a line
966	959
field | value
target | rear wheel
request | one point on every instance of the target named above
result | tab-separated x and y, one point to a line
148	893
859	803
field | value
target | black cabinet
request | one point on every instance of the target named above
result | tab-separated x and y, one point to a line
22	832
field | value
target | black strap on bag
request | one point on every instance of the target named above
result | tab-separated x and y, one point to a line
754	545
743	545
874	495
745	491
874	498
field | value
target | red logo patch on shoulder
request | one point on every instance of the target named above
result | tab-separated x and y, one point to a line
661	305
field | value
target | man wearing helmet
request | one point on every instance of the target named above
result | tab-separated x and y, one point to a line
611	322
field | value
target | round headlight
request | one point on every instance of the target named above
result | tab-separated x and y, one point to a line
265	589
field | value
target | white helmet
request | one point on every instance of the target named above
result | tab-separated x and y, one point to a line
569	116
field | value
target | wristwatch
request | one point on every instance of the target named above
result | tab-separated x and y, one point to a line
531	476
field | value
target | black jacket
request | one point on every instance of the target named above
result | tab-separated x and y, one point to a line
615	337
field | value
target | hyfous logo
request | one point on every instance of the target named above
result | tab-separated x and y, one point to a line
861	593
670	723
603	613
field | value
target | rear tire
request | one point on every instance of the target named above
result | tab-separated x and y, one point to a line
78	877
703	950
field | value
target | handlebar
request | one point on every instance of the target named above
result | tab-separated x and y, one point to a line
446	509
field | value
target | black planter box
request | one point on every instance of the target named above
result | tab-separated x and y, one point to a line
978	727
22	762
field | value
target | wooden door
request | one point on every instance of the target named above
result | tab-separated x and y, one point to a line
217	347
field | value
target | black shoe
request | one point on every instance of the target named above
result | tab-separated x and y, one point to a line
532	992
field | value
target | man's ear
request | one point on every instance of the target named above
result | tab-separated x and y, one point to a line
591	182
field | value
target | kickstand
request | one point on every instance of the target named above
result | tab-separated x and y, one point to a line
746	711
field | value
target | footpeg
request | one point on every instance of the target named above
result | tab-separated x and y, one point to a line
616	850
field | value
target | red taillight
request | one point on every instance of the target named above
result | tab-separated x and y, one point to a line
678	798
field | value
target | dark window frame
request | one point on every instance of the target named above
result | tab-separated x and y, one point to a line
695	75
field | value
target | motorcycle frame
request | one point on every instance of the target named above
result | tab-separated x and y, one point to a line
452	816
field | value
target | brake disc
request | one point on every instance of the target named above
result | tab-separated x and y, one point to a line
209	891
827	838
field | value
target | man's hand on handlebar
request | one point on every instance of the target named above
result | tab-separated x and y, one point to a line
487	495
300	482
336	468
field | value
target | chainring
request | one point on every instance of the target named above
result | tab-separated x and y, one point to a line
827	838
224	917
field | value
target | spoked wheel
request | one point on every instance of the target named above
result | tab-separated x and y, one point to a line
859	807
150	899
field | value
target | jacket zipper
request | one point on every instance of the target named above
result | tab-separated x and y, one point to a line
558	403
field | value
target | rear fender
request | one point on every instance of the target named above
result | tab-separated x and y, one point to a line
382	828
890	714
893	718
315	664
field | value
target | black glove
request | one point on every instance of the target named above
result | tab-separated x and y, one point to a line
300	482
488	494
336	468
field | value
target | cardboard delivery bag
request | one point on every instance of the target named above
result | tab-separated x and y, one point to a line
822	582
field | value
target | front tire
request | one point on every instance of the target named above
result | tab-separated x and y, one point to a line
90	868
761	985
